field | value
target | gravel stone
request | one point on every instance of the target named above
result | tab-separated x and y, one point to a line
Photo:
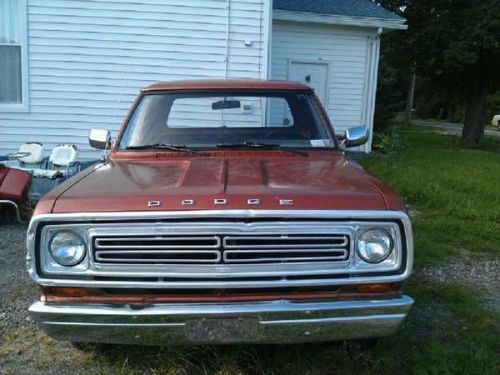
481	274
17	291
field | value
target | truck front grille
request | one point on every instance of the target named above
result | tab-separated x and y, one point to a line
157	249
280	249
221	249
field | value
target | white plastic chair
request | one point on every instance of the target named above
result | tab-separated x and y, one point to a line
29	156
63	155
35	153
62	159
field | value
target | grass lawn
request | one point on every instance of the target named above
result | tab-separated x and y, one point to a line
455	195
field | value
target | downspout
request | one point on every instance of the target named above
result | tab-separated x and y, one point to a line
261	37
266	27
228	31
226	58
373	77
267	39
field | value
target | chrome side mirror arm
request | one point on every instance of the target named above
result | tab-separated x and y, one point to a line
105	155
342	138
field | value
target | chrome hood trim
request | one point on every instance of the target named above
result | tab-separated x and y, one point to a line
223	214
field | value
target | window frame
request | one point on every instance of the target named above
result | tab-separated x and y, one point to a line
315	103
23	106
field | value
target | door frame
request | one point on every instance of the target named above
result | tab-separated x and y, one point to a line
328	64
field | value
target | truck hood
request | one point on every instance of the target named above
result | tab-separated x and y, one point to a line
316	182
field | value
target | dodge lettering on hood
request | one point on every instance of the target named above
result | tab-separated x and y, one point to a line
223	212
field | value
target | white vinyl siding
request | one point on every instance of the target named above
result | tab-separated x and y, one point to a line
346	50
88	59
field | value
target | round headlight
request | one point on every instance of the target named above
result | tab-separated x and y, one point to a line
374	245
67	248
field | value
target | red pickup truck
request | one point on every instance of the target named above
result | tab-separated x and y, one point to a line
224	212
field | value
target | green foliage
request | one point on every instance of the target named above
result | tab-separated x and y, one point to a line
493	105
455	192
391	89
387	139
455	42
454	47
381	142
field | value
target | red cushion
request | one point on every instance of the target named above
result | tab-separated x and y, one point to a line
14	186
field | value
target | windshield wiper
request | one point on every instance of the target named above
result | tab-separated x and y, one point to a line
161	146
260	145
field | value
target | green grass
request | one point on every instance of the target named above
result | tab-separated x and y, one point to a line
448	332
455	192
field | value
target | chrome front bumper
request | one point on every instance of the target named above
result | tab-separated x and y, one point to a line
279	321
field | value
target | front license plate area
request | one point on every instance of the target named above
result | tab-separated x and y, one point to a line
222	330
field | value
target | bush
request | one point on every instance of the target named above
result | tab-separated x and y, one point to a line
381	142
387	138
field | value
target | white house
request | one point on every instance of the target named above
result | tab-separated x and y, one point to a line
70	65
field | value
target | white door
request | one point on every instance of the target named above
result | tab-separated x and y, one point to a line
314	75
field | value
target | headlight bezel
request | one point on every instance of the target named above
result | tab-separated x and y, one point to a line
48	264
390	245
395	257
79	242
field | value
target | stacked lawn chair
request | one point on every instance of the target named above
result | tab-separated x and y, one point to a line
34	175
60	165
15	181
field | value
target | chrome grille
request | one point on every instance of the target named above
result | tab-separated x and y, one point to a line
279	249
226	249
157	249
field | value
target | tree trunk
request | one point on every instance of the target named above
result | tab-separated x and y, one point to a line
410	97
441	113
474	122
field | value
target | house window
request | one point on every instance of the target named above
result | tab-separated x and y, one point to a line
13	56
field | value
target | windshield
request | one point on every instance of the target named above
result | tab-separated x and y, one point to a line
225	119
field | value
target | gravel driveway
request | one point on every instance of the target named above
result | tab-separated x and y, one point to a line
24	349
16	290
451	127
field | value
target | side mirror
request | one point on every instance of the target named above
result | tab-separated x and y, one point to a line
356	136
100	139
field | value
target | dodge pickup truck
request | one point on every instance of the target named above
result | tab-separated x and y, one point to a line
225	211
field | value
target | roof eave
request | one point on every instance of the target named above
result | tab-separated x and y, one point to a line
332	19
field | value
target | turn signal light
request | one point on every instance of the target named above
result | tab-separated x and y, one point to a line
377	288
69	292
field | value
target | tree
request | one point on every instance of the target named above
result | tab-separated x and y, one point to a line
455	44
